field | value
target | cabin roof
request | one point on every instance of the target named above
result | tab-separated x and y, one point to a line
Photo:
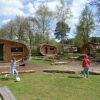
13	41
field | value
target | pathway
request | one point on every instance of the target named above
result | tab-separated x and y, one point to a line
71	67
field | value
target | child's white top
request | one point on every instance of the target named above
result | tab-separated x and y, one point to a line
13	64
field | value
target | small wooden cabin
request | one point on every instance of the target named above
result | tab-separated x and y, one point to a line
48	50
9	49
70	48
90	49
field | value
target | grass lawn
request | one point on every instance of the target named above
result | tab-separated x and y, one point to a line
48	62
68	55
54	86
40	62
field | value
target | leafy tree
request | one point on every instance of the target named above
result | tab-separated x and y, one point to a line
2	33
83	30
60	32
63	15
95	39
53	41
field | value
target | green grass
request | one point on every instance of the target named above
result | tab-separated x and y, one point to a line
40	62
67	56
54	86
45	62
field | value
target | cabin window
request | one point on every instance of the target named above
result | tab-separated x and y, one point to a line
1	52
51	48
16	49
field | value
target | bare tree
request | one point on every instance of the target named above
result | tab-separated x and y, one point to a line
44	16
96	3
8	30
63	12
20	27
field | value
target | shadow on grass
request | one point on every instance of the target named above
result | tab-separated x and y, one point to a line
75	77
4	79
7	79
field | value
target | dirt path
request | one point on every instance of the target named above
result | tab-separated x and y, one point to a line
71	66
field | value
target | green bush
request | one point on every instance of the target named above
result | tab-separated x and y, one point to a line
35	52
98	50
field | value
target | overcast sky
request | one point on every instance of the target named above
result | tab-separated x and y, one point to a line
10	8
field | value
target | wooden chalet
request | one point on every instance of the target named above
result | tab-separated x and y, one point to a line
70	48
90	49
48	50
9	49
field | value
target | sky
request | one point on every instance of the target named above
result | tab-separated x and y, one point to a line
10	8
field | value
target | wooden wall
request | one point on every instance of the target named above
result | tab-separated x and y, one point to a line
7	50
47	49
90	49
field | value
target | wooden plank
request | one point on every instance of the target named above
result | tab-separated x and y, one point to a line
58	63
6	94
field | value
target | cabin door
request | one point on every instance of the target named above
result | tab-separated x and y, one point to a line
46	50
88	51
1	51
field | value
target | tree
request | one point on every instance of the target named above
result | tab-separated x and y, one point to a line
44	16
60	32
15	29
95	39
97	4
53	41
2	33
8	30
20	27
63	12
83	30
63	15
28	32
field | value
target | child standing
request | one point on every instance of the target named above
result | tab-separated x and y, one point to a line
13	67
86	65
